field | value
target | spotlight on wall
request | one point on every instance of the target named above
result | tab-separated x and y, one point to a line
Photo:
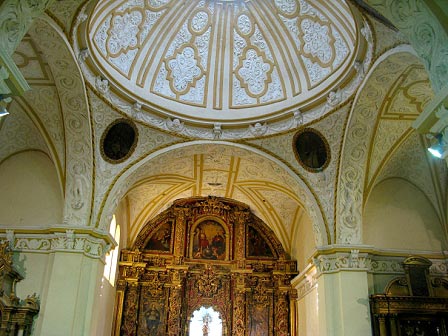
3	112
437	145
4	100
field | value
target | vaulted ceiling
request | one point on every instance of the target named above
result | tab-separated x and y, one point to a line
267	177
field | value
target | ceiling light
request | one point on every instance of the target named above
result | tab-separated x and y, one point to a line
437	146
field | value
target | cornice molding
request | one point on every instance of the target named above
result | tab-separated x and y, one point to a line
335	259
89	242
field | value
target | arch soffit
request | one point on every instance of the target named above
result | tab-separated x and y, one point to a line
358	136
75	109
408	181
139	171
411	162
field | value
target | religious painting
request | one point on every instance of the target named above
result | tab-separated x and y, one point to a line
119	141
312	150
257	246
152	318
160	240
209	241
259	320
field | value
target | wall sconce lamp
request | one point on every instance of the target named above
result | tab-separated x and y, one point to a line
438	146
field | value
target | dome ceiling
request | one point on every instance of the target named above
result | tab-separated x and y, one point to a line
213	63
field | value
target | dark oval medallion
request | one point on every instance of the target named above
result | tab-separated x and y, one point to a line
311	149
118	141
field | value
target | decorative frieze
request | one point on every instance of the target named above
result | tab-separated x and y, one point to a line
371	261
90	243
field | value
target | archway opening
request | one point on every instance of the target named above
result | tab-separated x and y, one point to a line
205	322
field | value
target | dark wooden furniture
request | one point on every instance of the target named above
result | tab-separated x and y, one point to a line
413	305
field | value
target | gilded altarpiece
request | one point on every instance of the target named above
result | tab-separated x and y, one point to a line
205	252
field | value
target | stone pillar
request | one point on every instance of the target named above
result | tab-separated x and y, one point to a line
343	295
73	283
64	269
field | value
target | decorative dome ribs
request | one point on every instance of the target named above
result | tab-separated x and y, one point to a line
228	62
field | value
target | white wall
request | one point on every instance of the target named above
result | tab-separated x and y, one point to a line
303	243
30	194
398	215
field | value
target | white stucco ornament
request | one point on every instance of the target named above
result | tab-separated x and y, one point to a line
209	62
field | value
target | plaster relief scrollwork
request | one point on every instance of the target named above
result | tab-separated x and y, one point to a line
184	70
17	16
415	19
19	133
64	12
70	241
357	141
322	183
357	260
205	66
148	141
75	111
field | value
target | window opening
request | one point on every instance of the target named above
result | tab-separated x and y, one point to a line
110	268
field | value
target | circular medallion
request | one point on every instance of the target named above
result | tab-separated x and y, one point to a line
311	149
118	141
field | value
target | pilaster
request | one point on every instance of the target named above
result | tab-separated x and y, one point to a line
333	290
64	268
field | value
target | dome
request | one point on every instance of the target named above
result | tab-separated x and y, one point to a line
221	65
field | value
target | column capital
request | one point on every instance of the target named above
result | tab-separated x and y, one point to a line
88	241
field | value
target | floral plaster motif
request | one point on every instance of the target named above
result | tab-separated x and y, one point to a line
184	70
287	7
317	41
257	61
123	32
254	73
